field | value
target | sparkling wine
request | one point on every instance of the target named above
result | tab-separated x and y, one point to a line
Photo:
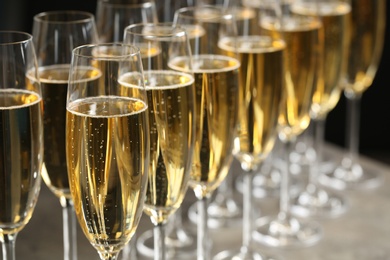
21	151
216	87
54	83
301	35
260	95
172	131
335	28
107	158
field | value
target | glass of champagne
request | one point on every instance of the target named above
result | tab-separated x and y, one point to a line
216	86
315	200
171	96
56	33
366	32
21	136
113	16
107	137
302	35
261	54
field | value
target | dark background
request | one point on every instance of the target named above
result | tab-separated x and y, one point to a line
375	103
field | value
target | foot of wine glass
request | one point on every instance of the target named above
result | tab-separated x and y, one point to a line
350	174
180	242
223	210
315	201
285	230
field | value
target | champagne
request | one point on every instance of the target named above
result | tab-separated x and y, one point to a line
261	87
172	131
54	84
301	35
107	159
366	30
216	87
334	19
21	152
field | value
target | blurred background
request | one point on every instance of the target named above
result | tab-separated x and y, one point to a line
375	104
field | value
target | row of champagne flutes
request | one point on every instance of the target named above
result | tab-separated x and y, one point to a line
61	80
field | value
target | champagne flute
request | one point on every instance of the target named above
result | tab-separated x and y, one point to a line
303	40
113	16
21	124
315	200
107	136
261	54
216	85
366	30
56	33
171	95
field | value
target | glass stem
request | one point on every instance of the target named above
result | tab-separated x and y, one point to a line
69	229
109	256
8	244
285	182
247	211
318	145
159	241
202	239
352	127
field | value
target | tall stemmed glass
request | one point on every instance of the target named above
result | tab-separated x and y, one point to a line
113	16
107	136
303	41
315	200
56	33
171	95
261	54
366	30
216	85
21	136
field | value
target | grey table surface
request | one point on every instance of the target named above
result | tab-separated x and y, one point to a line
362	232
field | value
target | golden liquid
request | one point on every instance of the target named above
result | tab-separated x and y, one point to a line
260	96
334	19
366	29
107	158
171	99
301	35
54	84
216	87
21	142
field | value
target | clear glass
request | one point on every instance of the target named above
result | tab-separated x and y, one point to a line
216	84
366	32
315	200
21	138
167	61
107	137
303	40
261	55
113	16
55	34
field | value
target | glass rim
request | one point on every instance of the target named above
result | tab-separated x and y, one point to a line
133	51
176	29
128	5
184	12
15	41
40	17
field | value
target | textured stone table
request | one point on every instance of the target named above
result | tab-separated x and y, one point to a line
362	233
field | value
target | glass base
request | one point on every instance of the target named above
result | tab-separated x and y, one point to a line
219	216
286	232
240	254
350	176
176	249
317	202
